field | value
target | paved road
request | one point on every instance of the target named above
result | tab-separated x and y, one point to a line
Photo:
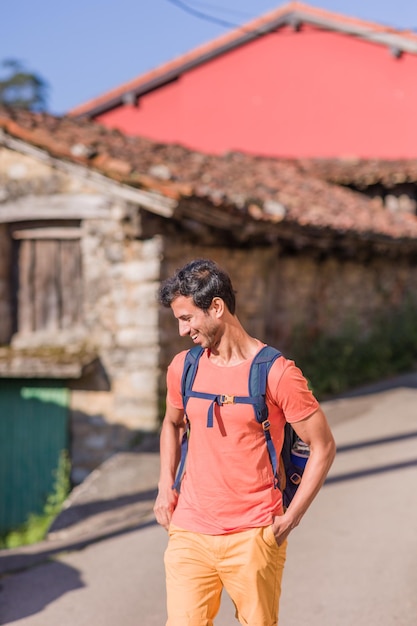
352	561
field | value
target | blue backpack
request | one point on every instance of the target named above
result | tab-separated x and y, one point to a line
287	475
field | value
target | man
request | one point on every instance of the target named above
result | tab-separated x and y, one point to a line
227	527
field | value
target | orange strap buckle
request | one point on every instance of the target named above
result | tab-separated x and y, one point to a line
225	399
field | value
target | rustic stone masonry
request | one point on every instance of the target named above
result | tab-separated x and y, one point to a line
121	315
278	292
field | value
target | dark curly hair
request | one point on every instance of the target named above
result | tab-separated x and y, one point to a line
203	280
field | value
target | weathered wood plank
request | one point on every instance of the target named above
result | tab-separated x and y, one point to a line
70	283
5	286
25	295
55	207
46	287
47	233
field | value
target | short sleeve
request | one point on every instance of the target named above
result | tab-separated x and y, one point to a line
289	390
174	375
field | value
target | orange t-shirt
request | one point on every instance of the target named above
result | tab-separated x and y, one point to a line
228	482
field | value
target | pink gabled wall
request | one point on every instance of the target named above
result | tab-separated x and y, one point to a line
312	93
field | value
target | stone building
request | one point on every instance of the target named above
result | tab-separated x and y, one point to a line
91	221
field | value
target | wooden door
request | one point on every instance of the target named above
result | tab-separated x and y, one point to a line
48	280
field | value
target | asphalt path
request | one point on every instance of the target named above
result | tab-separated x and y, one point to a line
351	562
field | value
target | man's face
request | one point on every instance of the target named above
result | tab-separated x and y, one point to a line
202	326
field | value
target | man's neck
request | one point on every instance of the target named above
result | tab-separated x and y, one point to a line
235	347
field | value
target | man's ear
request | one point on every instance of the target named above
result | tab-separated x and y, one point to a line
217	306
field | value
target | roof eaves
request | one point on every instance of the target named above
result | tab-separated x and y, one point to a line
387	37
150	200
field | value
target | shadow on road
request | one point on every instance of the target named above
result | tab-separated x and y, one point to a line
49	584
375	442
370	471
84	510
14	563
408	381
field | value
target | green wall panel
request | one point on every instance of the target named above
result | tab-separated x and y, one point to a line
33	432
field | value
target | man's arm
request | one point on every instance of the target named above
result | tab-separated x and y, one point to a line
172	428
315	431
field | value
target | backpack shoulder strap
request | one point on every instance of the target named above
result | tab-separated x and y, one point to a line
187	380
259	371
189	372
258	376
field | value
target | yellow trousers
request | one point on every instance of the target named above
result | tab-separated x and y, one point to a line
248	564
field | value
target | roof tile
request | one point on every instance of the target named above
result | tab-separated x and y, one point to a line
306	193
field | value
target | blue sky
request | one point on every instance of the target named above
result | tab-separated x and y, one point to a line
86	47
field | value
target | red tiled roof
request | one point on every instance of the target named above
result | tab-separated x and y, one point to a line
289	14
255	188
360	173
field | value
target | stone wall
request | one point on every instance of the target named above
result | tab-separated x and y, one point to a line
278	293
121	314
324	296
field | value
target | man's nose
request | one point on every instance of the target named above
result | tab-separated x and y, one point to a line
184	328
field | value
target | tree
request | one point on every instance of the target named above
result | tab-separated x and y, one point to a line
22	88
